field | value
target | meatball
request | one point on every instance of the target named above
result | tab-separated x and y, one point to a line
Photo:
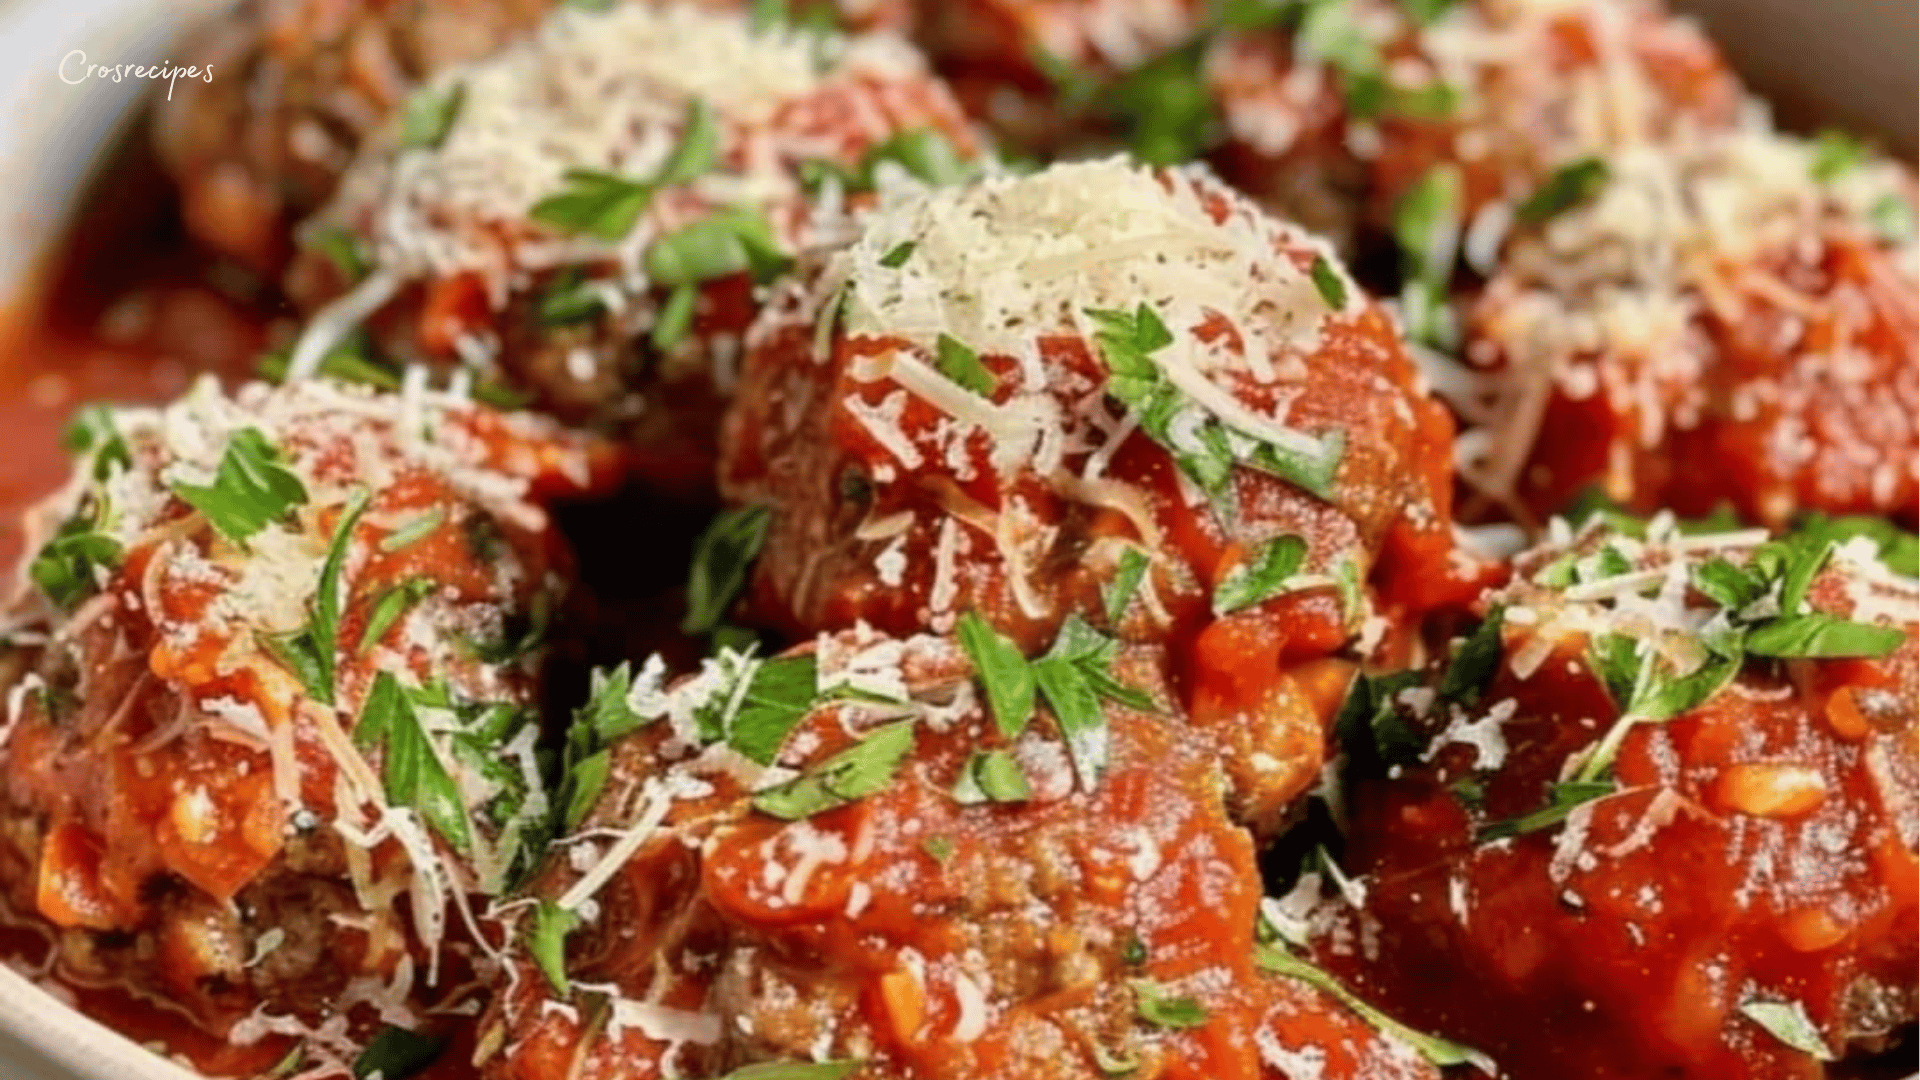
1107	392
591	213
1663	803
301	84
298	85
276	667
1342	109
1748	300
842	854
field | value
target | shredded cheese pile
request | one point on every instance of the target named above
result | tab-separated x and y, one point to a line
607	91
1608	298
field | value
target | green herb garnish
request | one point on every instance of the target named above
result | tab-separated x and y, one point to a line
251	488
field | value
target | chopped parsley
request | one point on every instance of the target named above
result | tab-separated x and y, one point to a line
698	150
426	118
1262	577
1370	729
779	694
1563	798
991	776
1475	665
1836	153
1568	187
397	1054
1206	450
1788	1021
1156	1006
1646	687
252	487
595	203
1074	677
412	772
726	242
1817	634
925	153
341	247
783	1070
392	604
547	943
1118	594
961	364
1892	218
586	761
607	205
93	433
897	256
1328	281
722	557
65	568
1273	955
571	297
1005	674
863	769
351	361
309	652
414	531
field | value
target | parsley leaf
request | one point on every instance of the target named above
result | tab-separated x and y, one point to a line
961	364
726	242
594	203
1156	1006
1562	799
778	696
1371	730
1898	549
698	150
547	943
571	297
251	487
64	567
1327	280
1478	660
1003	672
392	604
722	557
783	1070
897	256
862	769
341	247
310	650
1836	153
1817	634
991	776
93	432
1788	1021
1892	218
397	1054
1732	587
426	118
1074	676
1118	594
412	771
605	717
1206	450
1262	577
1568	187
1271	955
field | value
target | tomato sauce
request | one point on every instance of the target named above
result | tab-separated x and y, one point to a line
120	310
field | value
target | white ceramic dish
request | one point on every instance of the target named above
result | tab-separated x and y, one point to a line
1851	62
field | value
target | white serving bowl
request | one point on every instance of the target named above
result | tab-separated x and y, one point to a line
1850	62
